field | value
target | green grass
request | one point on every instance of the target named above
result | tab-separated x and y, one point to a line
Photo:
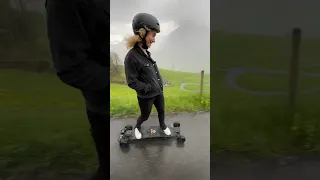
261	124
196	87
38	116
45	138
245	50
124	100
275	82
43	121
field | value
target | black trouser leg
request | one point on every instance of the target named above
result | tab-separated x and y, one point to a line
145	105
100	135
159	104
98	112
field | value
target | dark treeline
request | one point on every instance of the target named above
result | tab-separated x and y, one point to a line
22	33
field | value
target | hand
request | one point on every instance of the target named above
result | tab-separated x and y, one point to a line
147	88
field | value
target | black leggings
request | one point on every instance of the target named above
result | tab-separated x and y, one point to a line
145	105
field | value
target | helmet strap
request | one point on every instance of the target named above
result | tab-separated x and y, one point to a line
144	43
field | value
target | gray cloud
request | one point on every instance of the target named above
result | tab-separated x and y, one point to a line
274	17
188	47
165	10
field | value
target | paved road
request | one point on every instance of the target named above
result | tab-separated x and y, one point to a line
163	160
235	73
182	86
276	169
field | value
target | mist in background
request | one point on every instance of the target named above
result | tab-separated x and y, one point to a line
184	41
182	45
273	17
23	37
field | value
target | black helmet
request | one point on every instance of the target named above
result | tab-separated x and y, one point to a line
145	20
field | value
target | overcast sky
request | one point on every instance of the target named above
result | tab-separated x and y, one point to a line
176	47
184	37
273	17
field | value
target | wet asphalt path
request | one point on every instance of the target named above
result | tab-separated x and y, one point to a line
162	159
292	168
234	73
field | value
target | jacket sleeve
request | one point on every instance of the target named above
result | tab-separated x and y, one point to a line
132	76
70	47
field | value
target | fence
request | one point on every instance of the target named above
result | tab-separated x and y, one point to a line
201	83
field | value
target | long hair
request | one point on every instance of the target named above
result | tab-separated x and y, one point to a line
134	39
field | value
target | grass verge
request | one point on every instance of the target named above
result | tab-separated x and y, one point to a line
262	124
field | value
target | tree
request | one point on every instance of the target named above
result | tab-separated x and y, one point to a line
5	15
115	68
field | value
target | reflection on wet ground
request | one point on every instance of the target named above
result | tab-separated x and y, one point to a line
161	159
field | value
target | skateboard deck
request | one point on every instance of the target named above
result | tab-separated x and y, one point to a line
149	132
155	132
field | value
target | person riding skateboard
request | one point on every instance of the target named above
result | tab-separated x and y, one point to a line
142	73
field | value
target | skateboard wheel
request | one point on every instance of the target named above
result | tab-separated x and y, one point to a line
126	135
181	139
128	127
124	143
176	124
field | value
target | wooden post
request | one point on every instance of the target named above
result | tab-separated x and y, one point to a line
294	67
201	83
